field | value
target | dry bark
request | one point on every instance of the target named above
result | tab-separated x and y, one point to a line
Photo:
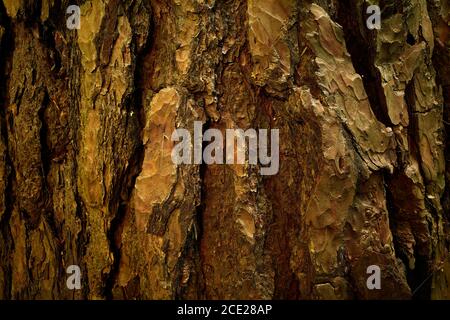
86	176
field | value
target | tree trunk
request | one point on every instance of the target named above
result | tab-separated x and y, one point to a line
87	179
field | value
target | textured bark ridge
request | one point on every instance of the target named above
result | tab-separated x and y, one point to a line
87	179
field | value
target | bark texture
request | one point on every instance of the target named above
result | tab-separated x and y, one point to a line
86	176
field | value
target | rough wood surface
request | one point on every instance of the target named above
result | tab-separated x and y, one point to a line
86	176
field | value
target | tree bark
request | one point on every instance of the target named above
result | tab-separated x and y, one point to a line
87	179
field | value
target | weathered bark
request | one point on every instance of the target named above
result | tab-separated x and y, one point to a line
86	176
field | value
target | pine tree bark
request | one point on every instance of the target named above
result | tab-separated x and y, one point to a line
86	176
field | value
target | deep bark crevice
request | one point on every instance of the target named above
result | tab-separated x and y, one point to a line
420	289
6	53
361	51
128	181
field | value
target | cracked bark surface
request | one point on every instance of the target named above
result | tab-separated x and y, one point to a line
86	176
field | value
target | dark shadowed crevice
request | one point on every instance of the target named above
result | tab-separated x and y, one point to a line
6	52
198	221
360	41
126	183
361	51
114	232
446	195
441	60
6	247
417	277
